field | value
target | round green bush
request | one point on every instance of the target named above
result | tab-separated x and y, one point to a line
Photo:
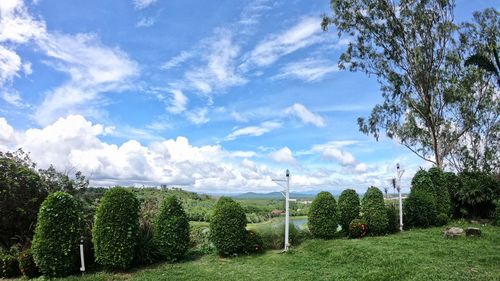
227	227
357	228
254	243
392	218
443	201
348	208
420	209
57	235
422	181
323	216
374	211
27	264
9	266
442	219
116	228
172	229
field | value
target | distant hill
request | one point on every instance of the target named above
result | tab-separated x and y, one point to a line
273	195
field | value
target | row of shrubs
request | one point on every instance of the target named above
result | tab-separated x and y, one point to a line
119	241
356	219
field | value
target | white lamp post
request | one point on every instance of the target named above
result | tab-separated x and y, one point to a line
286	194
400	174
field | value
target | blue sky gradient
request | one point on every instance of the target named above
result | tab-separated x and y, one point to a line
214	96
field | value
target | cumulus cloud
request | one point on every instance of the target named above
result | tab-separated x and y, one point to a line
283	155
198	116
145	22
254	131
305	115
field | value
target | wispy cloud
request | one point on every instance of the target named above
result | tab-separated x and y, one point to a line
142	4
254	131
305	33
177	60
145	22
309	70
178	102
93	69
198	116
305	115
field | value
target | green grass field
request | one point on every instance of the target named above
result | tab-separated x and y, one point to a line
422	254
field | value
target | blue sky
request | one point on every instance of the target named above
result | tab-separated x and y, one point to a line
214	96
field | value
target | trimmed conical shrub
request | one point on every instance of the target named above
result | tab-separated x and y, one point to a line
116	228
172	229
374	211
227	227
57	235
323	217
443	201
348	208
420	208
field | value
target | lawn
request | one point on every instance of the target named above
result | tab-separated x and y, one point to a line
421	254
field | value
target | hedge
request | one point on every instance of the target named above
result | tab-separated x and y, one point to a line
172	229
227	227
57	235
374	211
116	229
443	201
348	208
323	217
420	209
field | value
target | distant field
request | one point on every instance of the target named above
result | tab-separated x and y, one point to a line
420	254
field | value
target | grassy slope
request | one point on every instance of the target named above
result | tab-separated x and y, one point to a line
414	255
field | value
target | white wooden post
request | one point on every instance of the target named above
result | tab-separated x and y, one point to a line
82	257
400	174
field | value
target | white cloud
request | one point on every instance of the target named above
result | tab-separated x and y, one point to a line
178	102
343	157
218	70
12	97
93	69
254	131
305	115
16	24
145	22
142	4
10	64
243	154
6	132
361	167
305	33
283	155
198	116
177	60
309	70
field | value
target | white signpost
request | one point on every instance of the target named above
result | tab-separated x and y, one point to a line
286	194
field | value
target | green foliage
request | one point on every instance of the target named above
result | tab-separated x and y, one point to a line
57	235
116	228
323	216
172	229
21	193
147	251
199	239
358	228
420	209
58	181
496	219
443	201
374	212
392	218
348	208
27	264
254	243
9	266
452	185
273	235
422	181
476	194
442	219
227	227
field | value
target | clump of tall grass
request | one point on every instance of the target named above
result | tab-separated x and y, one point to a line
273	235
